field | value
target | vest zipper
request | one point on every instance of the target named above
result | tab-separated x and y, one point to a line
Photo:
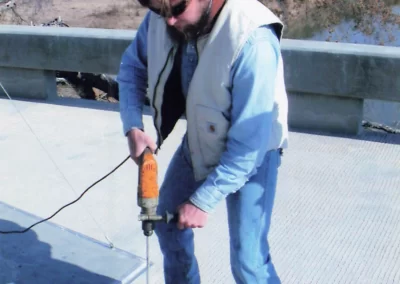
159	136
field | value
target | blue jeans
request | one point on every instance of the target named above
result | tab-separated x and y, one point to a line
249	216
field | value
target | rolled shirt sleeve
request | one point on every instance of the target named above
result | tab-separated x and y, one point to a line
132	79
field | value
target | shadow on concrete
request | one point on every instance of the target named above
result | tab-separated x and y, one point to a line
25	259
70	102
365	135
82	103
78	103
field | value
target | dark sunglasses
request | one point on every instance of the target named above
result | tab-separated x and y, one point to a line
175	10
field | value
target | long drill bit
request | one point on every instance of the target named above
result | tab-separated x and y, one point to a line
147	260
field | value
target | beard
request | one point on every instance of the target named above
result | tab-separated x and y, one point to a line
192	31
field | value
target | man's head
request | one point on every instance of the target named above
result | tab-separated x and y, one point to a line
185	18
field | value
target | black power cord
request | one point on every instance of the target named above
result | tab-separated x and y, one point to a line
27	229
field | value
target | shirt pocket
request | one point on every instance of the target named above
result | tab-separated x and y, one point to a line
212	127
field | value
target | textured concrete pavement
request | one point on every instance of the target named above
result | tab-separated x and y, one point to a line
336	217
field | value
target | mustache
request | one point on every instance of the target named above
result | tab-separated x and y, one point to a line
191	31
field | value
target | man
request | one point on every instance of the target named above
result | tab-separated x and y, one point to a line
219	63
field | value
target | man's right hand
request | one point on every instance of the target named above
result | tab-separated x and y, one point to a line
138	141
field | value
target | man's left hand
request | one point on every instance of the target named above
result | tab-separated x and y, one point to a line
191	216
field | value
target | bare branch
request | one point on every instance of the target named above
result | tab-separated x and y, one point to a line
19	16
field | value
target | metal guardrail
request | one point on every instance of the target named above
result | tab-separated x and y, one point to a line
338	69
326	82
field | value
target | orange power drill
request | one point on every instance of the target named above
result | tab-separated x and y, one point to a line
147	199
148	193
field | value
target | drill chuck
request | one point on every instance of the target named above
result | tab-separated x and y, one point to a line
149	221
148	228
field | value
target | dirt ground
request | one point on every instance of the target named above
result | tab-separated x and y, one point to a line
124	14
300	17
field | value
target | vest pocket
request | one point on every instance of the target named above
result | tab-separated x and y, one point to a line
212	127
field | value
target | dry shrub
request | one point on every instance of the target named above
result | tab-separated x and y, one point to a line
305	17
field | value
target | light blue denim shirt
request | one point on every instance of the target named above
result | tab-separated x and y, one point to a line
253	83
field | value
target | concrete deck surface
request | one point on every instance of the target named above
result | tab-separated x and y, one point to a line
336	217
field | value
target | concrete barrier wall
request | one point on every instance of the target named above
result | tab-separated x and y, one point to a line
64	49
326	82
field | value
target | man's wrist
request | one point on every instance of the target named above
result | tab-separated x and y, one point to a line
133	128
197	206
203	206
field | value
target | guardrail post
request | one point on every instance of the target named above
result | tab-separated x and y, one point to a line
334	114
